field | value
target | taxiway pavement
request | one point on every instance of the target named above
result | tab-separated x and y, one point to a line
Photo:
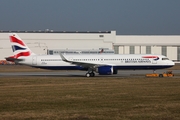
121	73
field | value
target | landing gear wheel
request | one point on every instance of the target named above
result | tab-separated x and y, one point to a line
160	75
88	75
92	74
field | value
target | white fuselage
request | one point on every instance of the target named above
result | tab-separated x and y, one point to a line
115	60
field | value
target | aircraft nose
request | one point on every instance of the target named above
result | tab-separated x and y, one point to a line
171	63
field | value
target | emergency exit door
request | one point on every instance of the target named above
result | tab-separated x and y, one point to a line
34	60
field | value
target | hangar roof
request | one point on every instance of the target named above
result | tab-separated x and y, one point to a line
52	31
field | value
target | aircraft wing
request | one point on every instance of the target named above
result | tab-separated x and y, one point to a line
85	64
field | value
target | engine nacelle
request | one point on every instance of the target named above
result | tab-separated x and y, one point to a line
105	70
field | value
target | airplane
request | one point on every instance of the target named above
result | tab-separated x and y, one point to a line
104	64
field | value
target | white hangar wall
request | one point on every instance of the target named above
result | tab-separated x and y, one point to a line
168	45
40	42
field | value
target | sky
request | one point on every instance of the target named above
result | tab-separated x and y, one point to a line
126	17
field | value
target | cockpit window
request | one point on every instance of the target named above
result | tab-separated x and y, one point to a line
165	59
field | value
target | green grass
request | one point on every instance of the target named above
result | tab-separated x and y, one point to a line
68	98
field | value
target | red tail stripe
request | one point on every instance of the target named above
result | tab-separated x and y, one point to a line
14	39
22	54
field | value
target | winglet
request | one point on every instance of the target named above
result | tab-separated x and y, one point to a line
63	58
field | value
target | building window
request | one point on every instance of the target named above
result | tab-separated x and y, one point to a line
116	49
178	53
148	49
50	52
131	49
164	50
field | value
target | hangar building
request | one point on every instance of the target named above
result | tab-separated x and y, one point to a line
50	42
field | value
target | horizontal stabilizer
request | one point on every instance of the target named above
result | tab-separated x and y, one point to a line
12	59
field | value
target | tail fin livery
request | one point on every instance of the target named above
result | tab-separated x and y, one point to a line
20	49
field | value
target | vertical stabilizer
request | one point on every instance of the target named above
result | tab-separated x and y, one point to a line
19	48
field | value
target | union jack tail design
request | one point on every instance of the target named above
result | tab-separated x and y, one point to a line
20	49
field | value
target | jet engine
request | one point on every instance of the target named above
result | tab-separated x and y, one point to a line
105	70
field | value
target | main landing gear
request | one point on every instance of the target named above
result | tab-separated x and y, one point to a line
90	74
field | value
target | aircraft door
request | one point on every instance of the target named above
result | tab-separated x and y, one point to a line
154	61
34	60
